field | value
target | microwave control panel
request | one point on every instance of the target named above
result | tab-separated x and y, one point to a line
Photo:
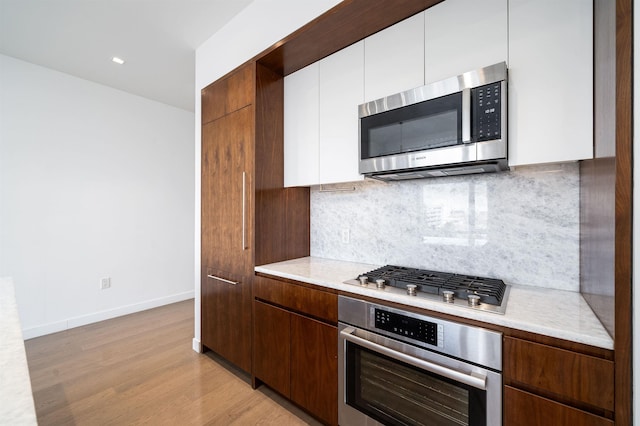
408	327
486	112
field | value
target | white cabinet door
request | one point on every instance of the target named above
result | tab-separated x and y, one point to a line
550	81
464	35
341	91
301	127
394	59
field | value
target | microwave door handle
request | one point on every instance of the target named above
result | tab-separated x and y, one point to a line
477	381
466	115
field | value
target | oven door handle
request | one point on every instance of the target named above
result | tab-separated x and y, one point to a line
477	380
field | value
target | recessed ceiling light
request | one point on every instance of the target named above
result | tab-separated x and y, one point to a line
117	60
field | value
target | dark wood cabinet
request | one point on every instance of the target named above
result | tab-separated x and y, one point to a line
227	170
226	185
228	94
314	367
272	346
546	385
247	216
226	318
526	409
319	304
295	354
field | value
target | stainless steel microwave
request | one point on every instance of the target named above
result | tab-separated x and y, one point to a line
450	127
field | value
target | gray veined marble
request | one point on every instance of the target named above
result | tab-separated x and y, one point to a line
521	226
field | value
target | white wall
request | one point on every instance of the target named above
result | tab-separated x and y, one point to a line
257	27
94	182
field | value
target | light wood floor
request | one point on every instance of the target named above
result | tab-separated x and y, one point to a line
140	369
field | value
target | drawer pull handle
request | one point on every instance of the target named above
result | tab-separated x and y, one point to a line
244	209
213	277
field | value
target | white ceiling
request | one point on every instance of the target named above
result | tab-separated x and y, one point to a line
156	38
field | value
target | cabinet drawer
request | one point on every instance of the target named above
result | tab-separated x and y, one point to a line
558	373
525	409
316	303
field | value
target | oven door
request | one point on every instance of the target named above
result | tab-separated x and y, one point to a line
386	382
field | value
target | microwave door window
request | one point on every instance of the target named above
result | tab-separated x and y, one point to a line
434	131
426	125
429	132
385	140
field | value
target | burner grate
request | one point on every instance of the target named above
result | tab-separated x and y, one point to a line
490	290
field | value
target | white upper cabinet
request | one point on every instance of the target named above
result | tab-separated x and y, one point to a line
301	127
548	47
550	81
464	35
341	91
394	59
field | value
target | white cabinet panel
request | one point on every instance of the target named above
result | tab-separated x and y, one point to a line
463	35
550	81
301	127
341	91
394	59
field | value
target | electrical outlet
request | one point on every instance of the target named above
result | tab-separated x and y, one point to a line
345	236
105	283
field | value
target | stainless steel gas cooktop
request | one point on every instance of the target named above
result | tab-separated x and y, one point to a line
480	293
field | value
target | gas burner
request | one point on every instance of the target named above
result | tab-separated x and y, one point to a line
487	294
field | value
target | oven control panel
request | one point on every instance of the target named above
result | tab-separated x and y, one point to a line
408	327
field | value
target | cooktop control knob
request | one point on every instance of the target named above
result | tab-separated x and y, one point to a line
447	296
411	290
380	283
473	300
364	280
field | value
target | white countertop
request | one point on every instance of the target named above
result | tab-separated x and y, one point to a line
556	313
17	406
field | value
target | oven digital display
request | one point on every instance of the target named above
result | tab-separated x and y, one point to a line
402	325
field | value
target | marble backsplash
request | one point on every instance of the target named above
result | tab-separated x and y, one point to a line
521	226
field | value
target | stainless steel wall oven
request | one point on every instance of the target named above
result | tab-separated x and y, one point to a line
401	368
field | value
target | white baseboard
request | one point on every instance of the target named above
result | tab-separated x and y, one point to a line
197	345
54	327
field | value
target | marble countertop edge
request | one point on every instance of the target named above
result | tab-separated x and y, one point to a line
17	407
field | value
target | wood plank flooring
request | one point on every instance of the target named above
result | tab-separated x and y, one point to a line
140	369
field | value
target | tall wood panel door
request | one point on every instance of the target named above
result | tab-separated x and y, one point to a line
226	236
226	193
